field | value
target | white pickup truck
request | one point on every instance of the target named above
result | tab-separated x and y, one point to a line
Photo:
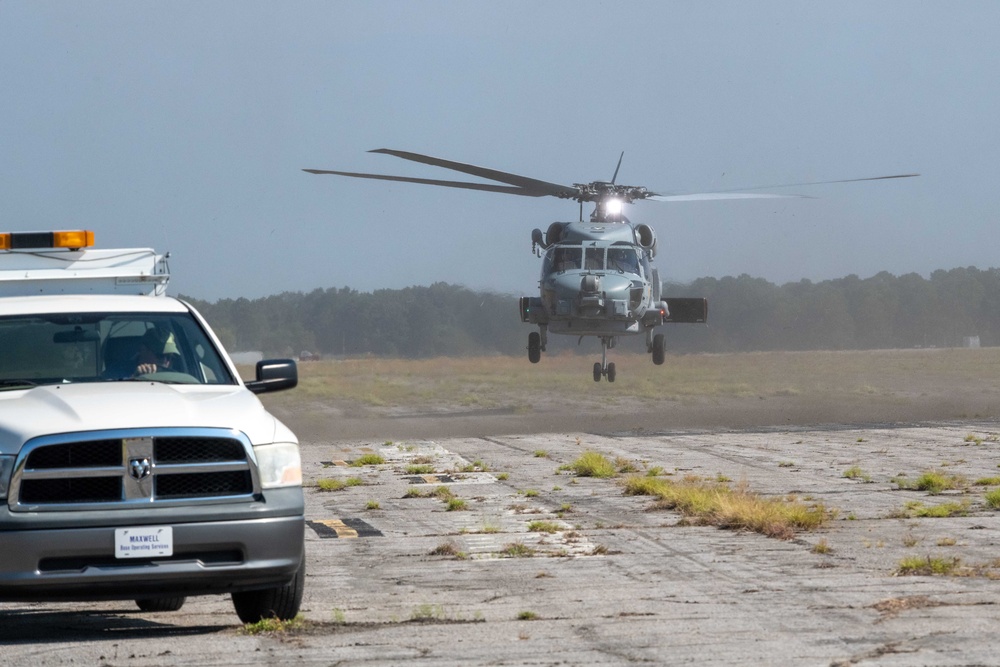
135	463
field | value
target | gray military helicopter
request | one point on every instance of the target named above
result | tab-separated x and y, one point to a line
597	278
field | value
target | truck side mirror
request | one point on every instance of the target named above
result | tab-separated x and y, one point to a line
274	375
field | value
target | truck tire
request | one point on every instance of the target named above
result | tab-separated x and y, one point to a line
160	604
282	602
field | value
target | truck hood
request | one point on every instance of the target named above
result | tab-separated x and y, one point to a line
67	408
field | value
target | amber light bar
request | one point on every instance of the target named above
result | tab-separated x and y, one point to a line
46	240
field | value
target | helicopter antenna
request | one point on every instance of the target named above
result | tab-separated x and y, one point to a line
615	177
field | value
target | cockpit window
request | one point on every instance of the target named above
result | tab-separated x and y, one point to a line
95	347
623	259
562	259
593	259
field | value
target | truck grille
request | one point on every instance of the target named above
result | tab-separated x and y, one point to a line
122	468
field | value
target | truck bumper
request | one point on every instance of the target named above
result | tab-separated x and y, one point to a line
68	564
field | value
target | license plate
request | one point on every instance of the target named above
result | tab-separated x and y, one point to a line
145	542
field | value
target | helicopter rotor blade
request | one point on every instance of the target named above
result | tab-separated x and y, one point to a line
532	184
711	196
843	180
488	187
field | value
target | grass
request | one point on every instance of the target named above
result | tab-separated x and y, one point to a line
448	549
855	472
511	382
327	484
822	547
993	498
370	459
591	464
915	509
275	626
419	469
544	527
933	482
517	550
527	616
734	508
372	505
927	565
454	504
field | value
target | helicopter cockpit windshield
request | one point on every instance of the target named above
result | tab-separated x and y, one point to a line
592	258
562	259
624	260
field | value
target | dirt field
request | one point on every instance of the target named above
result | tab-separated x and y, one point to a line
503	396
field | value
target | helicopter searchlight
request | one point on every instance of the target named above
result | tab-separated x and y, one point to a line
597	278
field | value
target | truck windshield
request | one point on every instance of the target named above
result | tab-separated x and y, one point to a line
97	347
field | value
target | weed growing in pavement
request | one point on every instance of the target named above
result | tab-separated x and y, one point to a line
910	540
370	459
786	464
993	498
442	492
541	454
372	505
916	509
544	527
822	547
448	548
419	469
527	616
517	550
987	481
327	484
933	482
456	504
275	626
427	612
591	464
927	565
855	472
624	466
947	542
414	492
530	493
739	508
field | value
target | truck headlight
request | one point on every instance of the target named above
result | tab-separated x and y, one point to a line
279	464
6	467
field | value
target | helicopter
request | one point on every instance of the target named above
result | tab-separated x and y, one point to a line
597	277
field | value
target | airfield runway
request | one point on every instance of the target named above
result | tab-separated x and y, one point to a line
396	574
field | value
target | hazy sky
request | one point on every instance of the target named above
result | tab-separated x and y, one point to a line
185	125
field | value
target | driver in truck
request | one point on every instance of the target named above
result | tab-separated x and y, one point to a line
157	352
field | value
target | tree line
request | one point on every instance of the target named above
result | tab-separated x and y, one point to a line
745	314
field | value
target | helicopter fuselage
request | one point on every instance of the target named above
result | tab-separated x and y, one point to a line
597	280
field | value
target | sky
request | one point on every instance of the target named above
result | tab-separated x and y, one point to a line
185	126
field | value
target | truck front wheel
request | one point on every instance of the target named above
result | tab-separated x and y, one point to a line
282	602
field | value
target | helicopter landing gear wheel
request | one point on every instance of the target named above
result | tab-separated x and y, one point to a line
534	347
603	367
659	349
